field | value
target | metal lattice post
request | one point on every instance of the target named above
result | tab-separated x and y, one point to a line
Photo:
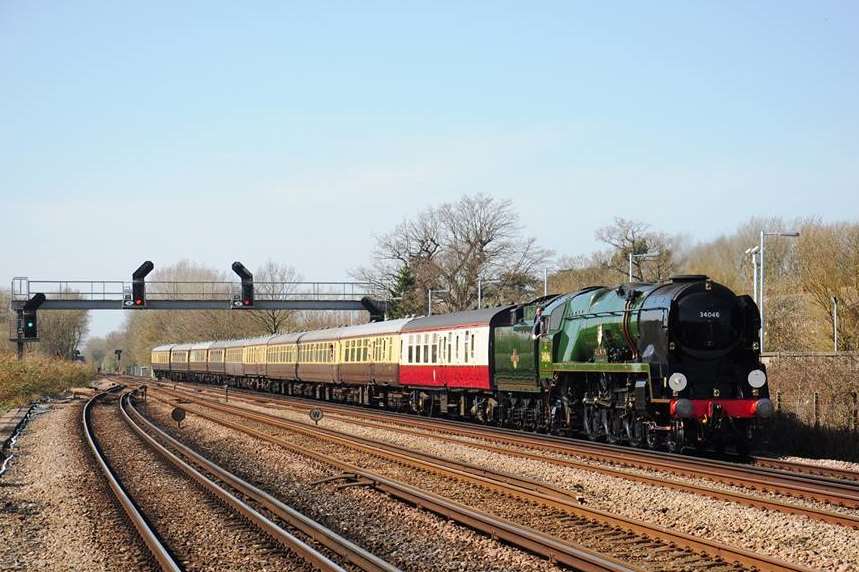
778	400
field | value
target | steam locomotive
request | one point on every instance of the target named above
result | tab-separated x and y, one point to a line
670	364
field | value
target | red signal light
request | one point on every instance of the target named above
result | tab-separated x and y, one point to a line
138	302
246	302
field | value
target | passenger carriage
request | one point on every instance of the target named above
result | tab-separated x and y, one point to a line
449	350
282	357
317	356
254	356
198	360
233	367
179	355
160	360
370	353
217	352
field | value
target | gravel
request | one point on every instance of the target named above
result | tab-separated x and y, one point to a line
558	523
829	463
788	537
403	535
202	533
56	513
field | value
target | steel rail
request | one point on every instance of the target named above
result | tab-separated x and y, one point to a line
149	537
831	473
837	492
531	491
278	534
529	539
822	474
719	494
330	539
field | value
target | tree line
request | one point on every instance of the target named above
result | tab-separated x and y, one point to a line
475	251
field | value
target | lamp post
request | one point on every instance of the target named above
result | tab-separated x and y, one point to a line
835	322
762	253
644	256
429	298
753	252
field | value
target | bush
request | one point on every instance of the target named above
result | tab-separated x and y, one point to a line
801	429
37	376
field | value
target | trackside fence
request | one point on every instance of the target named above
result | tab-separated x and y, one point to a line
817	403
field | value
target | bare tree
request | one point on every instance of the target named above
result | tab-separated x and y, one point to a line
61	332
7	323
828	260
579	272
274	281
144	330
627	237
448	248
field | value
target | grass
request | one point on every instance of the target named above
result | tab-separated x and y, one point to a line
37	376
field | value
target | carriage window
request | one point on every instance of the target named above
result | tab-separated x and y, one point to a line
364	350
472	347
434	348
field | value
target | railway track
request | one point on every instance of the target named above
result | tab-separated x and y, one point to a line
829	473
825	474
559	514
160	554
258	525
525	445
784	477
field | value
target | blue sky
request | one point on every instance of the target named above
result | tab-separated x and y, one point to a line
295	131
